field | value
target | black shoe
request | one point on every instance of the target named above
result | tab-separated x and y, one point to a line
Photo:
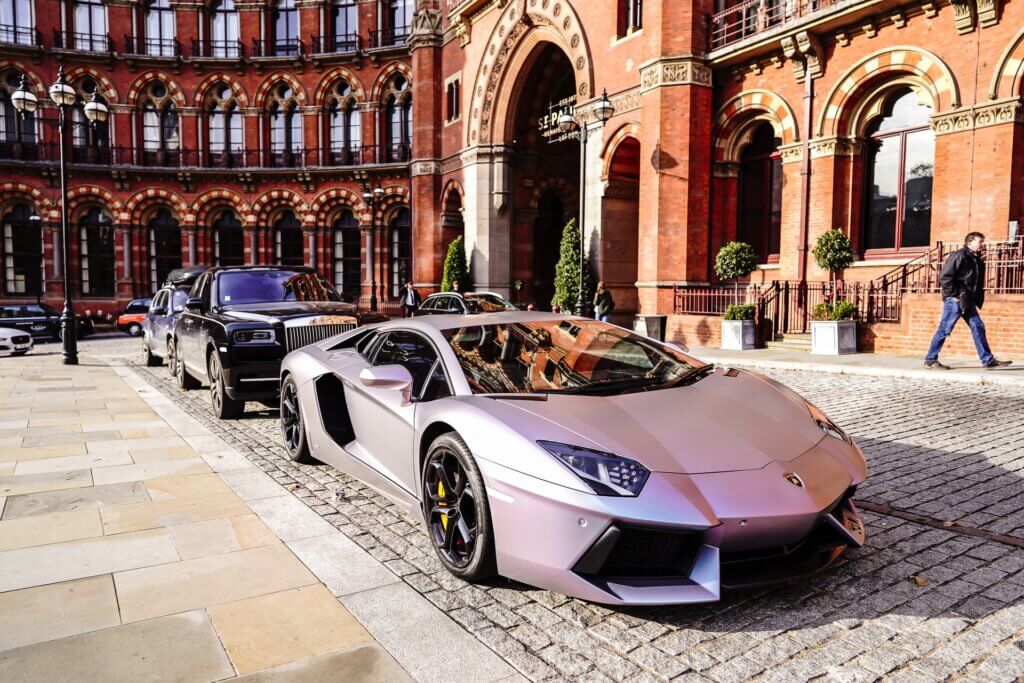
998	364
936	365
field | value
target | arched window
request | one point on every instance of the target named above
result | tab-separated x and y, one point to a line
288	239
285	126
159	126
228	239
22	251
15	128
285	22
899	162
344	127
89	26
90	140
347	256
96	252
164	246
760	201
17	26
345	21
160	29
223	127
224	35
398	120
400	242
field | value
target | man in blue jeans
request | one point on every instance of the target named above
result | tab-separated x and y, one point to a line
962	282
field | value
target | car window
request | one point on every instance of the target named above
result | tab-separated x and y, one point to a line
8	311
436	385
489	303
272	286
412	352
33	311
451	304
366	343
158	300
138	306
178	299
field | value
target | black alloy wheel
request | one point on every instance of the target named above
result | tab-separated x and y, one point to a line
224	407
148	358
186	382
456	510
293	431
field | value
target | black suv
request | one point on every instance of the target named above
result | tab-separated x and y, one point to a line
39	320
239	322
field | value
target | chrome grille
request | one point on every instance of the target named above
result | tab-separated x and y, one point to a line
20	339
297	337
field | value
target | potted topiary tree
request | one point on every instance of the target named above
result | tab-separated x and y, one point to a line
736	260
455	268
833	324
567	273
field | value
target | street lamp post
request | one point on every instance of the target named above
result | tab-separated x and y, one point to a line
372	198
63	96
577	128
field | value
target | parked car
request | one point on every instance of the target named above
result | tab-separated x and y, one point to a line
15	342
42	321
464	303
130	320
239	322
578	456
167	305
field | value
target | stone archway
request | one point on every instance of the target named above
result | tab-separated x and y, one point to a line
618	253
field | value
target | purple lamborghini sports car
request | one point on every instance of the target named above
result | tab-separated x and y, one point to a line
578	456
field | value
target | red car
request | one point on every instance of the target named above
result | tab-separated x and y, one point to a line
130	320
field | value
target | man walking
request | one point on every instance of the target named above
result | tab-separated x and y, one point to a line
962	282
604	304
410	300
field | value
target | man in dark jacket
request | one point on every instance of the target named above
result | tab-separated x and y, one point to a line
604	304
410	300
962	282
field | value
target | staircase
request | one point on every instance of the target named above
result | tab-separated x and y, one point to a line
790	342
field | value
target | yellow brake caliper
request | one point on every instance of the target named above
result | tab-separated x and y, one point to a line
440	494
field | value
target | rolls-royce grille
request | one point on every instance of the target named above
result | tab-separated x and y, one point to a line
297	337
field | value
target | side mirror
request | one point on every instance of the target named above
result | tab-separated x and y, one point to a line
394	377
194	304
159	310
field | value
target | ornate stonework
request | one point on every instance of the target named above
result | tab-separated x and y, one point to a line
988	12
1009	110
834	147
725	169
792	153
963	16
674	71
426	28
426	167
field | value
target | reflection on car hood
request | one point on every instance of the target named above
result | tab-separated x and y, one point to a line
280	311
717	424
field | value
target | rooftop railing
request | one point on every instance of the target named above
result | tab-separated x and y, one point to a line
751	17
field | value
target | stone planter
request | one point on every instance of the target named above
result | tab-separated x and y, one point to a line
833	337
738	335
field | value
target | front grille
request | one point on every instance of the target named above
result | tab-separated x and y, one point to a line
297	337
21	339
629	552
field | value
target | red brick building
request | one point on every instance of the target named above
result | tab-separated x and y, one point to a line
251	129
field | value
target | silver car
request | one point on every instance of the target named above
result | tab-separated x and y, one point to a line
577	456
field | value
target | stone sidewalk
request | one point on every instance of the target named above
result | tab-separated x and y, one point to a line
136	545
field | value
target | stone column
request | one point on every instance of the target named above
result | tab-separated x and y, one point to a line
486	175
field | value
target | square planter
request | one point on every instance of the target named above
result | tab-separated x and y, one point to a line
833	337
738	335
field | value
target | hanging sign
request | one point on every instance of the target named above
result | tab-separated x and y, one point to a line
547	125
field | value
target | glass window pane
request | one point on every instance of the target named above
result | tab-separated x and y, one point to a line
882	188
906	113
917	189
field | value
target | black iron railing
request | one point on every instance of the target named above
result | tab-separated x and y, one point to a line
152	47
20	35
214	49
84	42
331	44
389	37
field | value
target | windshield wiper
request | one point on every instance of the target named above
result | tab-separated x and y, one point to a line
691	375
609	384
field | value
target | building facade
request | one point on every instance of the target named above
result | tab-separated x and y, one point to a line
248	132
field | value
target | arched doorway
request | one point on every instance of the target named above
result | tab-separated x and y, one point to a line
760	193
620	228
540	158
22	252
288	247
164	246
399	251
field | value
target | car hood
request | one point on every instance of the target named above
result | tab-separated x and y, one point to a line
285	311
722	423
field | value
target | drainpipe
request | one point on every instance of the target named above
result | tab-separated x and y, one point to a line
805	172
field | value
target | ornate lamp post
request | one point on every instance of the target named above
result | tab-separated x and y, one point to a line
577	128
372	199
63	96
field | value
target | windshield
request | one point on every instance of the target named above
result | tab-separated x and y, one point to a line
487	303
563	356
271	286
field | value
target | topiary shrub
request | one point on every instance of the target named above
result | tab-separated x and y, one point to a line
567	273
833	252
840	310
739	312
455	268
735	260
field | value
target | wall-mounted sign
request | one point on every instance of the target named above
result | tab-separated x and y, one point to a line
547	125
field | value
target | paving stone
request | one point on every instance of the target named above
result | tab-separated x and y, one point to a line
58	610
341	564
14	485
364	663
74	499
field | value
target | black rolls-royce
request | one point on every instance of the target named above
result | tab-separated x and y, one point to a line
240	322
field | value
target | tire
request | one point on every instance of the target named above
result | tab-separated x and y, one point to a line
293	428
186	382
224	407
171	363
148	358
469	559
134	330
19	353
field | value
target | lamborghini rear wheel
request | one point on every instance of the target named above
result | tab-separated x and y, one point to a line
456	511
293	431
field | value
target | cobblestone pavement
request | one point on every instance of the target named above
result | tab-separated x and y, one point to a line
931	599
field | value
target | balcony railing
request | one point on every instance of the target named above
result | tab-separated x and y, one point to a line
152	47
389	37
349	42
20	35
752	17
84	42
282	47
223	49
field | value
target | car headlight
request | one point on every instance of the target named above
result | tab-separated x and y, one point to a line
828	426
606	474
254	337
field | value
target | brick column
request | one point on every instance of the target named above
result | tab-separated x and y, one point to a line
188	19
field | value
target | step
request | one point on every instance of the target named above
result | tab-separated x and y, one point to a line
790	342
